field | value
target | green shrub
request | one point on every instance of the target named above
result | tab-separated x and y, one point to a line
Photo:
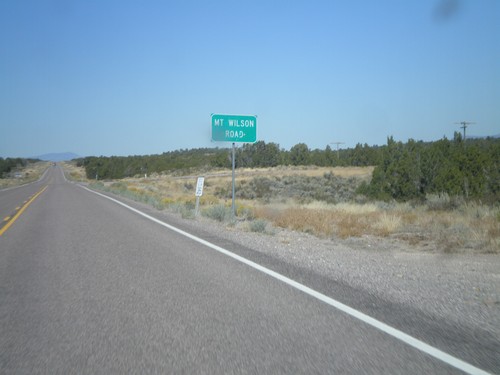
118	186
97	185
185	209
218	212
258	226
329	188
443	202
154	201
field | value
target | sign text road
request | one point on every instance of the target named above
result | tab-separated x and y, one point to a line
234	128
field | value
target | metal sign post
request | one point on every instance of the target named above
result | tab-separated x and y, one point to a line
233	205
234	128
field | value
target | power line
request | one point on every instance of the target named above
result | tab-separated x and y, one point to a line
464	126
337	143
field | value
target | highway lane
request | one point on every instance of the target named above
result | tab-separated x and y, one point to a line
87	286
12	199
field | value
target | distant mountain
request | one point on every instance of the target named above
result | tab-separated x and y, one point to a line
61	156
482	136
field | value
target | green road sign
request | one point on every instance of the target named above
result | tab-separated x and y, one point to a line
234	128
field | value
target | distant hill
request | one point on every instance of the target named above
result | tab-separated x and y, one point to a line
61	156
482	136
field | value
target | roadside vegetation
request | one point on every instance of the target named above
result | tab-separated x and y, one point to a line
437	196
18	171
439	222
403	171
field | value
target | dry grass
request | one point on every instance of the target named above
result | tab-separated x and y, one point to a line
338	220
73	172
387	224
450	224
285	171
30	173
451	231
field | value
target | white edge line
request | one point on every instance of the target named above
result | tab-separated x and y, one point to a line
410	340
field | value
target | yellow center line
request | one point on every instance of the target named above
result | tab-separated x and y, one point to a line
21	210
7	218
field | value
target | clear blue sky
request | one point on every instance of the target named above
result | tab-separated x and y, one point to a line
99	77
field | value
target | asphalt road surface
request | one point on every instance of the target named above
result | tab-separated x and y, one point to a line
89	286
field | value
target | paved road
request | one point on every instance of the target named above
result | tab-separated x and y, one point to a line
12	199
88	286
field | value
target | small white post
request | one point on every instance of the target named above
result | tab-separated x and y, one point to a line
199	193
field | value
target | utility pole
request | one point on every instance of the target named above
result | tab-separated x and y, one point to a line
337	143
464	125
